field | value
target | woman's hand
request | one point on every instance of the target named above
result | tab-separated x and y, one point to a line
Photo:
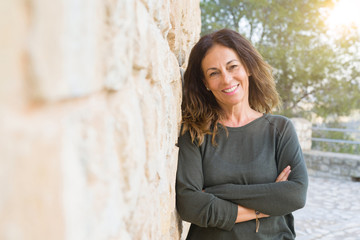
283	176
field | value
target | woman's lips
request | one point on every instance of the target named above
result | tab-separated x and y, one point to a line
230	90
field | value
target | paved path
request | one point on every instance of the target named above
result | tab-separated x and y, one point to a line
332	211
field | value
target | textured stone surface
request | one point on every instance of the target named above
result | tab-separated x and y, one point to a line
65	52
90	95
328	164
12	57
304	132
180	35
331	212
118	40
30	176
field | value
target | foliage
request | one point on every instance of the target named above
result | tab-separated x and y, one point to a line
315	71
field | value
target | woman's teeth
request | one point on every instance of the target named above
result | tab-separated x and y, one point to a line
230	89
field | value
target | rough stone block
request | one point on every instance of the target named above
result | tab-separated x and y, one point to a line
337	160
13	25
345	170
303	130
119	42
67	62
95	180
31	176
323	167
335	170
184	17
160	12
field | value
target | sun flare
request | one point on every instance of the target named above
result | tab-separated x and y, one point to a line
345	13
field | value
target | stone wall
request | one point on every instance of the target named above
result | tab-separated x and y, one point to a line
303	131
329	164
90	94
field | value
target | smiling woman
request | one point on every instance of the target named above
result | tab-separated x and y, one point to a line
233	179
345	13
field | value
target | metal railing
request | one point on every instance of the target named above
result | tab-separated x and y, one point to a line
355	142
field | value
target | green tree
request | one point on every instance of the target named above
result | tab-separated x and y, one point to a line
314	70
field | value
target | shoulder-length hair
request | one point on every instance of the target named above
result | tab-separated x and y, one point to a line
200	111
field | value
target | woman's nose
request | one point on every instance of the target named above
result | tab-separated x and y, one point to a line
227	77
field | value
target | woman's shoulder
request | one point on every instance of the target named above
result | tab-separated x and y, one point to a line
279	119
279	122
183	132
184	137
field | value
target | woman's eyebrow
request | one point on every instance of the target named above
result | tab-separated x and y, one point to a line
214	68
233	60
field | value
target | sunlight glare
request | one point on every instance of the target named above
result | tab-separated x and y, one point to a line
345	13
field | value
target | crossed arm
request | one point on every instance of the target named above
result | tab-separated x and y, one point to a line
224	205
246	214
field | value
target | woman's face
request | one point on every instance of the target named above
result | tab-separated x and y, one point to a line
225	76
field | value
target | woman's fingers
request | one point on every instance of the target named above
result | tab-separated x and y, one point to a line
283	176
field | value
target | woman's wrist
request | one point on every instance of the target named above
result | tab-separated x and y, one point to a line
246	214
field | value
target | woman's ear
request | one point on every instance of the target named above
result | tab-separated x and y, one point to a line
205	84
247	71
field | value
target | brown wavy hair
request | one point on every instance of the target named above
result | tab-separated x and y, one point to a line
200	111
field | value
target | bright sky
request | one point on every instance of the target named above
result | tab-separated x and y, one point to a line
344	14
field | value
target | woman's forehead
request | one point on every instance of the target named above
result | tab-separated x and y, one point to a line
219	55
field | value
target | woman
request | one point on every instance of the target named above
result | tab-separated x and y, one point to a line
241	170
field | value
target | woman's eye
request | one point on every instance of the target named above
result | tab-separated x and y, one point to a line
213	74
233	66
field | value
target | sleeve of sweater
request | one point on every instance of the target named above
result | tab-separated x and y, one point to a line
194	205
274	199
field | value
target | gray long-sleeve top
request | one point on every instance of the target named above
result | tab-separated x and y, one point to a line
241	169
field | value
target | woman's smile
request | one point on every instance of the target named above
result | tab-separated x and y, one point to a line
231	90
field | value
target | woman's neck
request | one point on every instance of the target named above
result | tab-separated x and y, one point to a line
238	116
